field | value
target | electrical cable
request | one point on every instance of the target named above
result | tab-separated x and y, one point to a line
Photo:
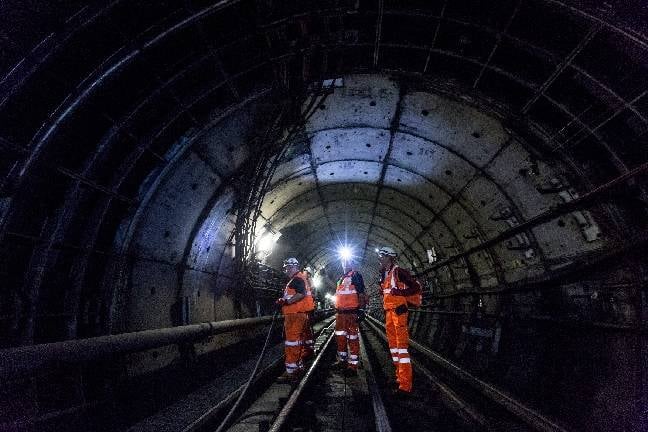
227	418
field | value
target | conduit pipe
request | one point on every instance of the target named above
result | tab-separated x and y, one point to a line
15	362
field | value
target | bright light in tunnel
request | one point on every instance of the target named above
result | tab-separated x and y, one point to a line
266	242
330	297
261	231
317	281
345	253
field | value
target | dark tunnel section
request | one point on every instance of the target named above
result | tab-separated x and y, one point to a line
159	160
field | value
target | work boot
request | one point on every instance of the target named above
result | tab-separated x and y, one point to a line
309	354
288	378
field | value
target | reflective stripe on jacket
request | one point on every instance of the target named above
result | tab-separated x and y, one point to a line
346	296
391	301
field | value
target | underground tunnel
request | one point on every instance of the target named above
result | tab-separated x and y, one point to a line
160	161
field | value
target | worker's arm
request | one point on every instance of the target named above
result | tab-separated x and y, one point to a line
380	284
300	290
412	286
358	282
295	298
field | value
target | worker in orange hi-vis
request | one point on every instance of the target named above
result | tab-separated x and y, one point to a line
295	310
398	288
350	301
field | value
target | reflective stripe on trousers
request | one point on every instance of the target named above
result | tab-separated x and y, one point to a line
346	337
398	339
294	329
394	354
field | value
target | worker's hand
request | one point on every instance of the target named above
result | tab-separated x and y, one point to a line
361	315
281	301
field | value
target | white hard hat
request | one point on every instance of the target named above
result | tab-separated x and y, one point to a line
290	262
386	250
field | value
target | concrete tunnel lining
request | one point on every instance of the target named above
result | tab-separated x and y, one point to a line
125	141
304	175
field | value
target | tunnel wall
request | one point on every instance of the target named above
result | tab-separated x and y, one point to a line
141	73
183	232
572	350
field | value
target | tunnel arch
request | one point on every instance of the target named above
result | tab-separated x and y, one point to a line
89	17
130	131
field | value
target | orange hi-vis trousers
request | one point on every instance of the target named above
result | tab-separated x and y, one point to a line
398	340
295	331
346	335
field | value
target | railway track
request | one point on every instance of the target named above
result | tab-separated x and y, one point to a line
445	397
477	404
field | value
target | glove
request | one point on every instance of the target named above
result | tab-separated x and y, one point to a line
361	315
281	301
400	310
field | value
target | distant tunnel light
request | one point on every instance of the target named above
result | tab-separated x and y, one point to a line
317	281
330	297
262	230
267	241
345	253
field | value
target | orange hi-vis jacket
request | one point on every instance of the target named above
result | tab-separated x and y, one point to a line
391	281
346	296
310	302
301	305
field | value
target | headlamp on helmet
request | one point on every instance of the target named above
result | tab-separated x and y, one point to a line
290	262
387	251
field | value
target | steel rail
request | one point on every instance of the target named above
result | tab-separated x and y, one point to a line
208	416
380	414
520	411
213	412
284	414
466	412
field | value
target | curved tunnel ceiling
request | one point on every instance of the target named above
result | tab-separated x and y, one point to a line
414	170
126	126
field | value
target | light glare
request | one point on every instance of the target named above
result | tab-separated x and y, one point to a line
345	253
266	242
